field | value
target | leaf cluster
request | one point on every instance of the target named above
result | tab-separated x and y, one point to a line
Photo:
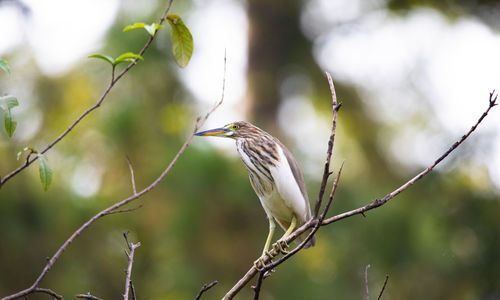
182	42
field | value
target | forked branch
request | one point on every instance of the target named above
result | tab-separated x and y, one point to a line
115	207
205	288
315	223
130	257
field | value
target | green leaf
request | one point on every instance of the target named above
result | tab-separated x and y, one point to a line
135	26
8	102
45	171
104	57
4	65
10	125
182	40
151	29
127	57
32	150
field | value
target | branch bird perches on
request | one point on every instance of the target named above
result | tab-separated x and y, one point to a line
317	222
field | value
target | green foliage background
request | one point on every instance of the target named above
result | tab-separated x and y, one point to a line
438	240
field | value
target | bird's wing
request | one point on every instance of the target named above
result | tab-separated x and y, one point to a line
290	184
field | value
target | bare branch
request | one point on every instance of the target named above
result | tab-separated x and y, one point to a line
113	208
118	211
258	285
205	288
200	121
366	282
377	202
383	287
130	257
48	292
90	109
132	290
326	169
315	223
87	296
266	274
131	175
332	194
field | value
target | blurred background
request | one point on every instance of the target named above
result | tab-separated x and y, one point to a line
413	76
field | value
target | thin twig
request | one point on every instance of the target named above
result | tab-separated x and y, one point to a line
93	107
205	288
377	202
28	157
199	122
87	296
218	103
118	211
366	282
131	175
48	292
331	141
258	285
383	287
332	194
130	257
266	274
132	290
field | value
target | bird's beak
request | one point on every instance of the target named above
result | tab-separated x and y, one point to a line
214	132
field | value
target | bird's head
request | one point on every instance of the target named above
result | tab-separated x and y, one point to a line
233	130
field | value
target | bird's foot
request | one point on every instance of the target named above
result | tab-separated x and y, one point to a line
280	246
259	264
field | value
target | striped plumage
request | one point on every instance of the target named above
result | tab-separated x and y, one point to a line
274	174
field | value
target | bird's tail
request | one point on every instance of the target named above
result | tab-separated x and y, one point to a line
303	236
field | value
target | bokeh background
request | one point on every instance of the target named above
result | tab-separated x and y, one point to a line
413	77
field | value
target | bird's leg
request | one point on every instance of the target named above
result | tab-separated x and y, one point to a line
265	251
281	244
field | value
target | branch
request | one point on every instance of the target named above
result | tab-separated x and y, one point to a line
205	288
383	287
130	257
48	292
132	290
316	223
113	208
113	81
377	202
326	169
118	211
131	175
87	296
366	282
258	285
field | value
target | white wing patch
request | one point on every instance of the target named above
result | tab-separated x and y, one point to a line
288	188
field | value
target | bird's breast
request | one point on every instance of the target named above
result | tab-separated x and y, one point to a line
258	168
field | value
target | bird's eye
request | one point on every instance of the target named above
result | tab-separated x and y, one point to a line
234	127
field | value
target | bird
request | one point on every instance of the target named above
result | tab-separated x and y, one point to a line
276	179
